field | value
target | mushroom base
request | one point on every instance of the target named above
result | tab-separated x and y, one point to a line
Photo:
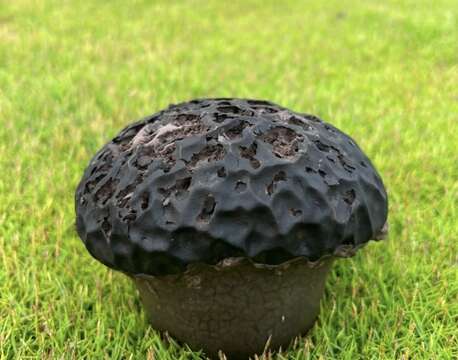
238	307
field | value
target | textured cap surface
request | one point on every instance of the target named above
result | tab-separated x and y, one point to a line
216	178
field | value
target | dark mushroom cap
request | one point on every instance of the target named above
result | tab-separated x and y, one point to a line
211	179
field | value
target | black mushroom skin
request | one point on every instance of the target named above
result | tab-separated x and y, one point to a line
210	179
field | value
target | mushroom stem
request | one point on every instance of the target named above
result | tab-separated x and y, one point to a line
236	307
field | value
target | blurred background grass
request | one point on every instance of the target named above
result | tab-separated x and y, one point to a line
73	73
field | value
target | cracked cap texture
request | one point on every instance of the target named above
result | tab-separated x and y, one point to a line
211	179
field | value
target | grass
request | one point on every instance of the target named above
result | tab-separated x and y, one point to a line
72	74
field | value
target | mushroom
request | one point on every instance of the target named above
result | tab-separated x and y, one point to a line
228	214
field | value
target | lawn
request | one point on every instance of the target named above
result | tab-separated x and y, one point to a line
73	73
